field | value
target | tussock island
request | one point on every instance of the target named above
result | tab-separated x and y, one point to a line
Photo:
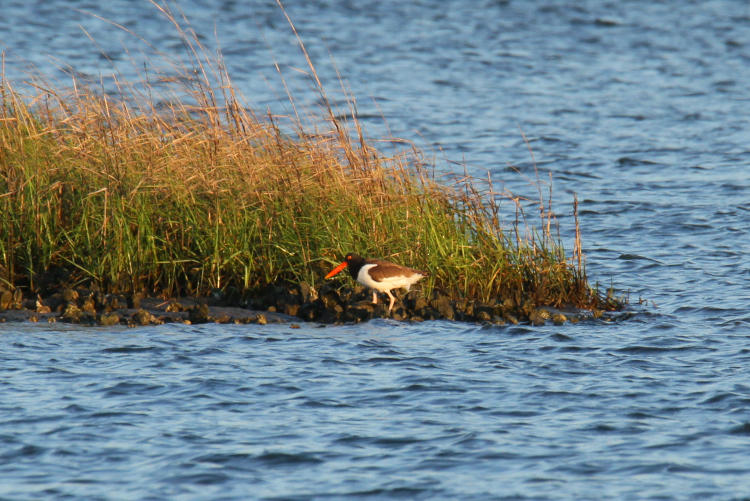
156	194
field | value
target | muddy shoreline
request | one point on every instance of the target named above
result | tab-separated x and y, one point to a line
278	304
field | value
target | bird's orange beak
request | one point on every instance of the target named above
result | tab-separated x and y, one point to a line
337	269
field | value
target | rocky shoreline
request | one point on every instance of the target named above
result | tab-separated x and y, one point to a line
278	304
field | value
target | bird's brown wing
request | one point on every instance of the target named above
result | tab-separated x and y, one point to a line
385	269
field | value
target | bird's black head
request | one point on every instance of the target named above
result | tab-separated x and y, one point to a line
353	258
354	262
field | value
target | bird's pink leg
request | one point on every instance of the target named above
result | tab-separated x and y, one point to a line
393	300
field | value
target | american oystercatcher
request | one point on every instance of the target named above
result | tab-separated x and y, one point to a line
379	275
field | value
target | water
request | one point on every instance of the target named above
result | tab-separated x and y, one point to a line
641	108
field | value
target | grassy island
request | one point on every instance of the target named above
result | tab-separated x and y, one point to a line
198	195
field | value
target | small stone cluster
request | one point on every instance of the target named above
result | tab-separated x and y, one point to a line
329	304
92	307
326	305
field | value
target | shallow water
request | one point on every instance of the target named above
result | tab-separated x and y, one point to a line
640	108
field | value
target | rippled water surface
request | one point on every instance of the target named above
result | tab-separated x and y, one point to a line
641	108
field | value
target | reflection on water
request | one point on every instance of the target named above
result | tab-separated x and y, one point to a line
638	107
385	409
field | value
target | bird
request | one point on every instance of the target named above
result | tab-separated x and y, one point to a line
379	275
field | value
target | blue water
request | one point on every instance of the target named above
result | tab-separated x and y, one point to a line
641	108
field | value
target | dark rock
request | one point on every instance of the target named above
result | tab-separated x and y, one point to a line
538	317
292	296
291	309
270	297
442	304
70	295
331	300
484	312
428	313
108	319
223	319
420	303
483	315
100	299
6	300
308	293
55	302
559	318
72	314
142	317
311	311
543	312
174	306
111	302
259	318
135	300
116	302
527	308
40	307
327	309
399	314
498	320
89	305
198	314
464	309
217	297
360	312
510	318
17	299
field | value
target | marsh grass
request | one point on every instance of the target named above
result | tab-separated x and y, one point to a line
181	189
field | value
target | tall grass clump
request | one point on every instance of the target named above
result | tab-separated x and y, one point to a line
181	189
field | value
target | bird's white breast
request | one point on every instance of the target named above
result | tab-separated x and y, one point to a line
386	284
